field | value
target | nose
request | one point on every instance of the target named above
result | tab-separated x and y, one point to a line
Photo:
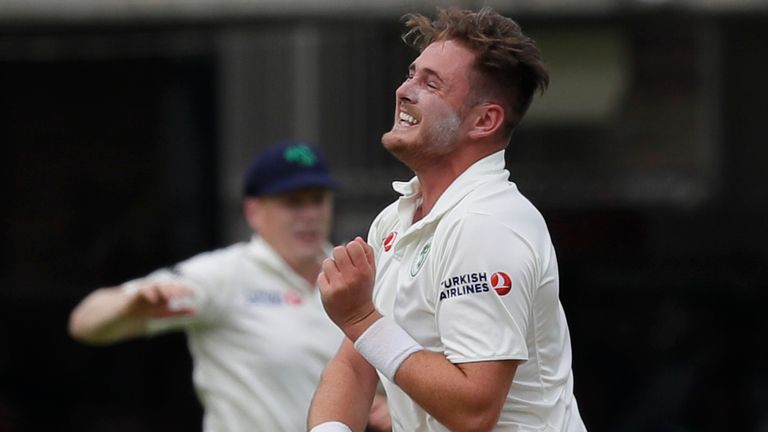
311	211
405	92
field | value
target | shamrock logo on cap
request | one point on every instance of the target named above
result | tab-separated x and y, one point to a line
300	154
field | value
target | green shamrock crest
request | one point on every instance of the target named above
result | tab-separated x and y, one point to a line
300	154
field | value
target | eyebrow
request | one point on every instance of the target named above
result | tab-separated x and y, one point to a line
428	71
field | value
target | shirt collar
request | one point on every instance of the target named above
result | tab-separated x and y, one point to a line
485	169
263	252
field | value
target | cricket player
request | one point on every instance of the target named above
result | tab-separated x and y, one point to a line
453	301
255	325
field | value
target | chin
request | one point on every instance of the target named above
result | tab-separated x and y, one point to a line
305	257
395	144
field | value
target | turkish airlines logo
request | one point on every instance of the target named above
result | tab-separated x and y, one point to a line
475	283
501	282
389	241
273	298
292	298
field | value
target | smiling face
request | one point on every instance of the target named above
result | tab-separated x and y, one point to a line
295	224
428	110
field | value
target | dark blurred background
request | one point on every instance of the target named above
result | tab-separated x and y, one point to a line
125	126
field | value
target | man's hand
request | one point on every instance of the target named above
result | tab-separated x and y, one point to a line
346	287
160	299
379	419
112	314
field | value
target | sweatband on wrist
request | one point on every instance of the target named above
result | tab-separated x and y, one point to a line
386	346
331	426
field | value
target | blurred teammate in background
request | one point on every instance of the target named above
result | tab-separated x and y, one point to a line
454	299
255	325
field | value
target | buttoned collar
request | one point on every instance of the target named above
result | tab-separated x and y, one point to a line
488	168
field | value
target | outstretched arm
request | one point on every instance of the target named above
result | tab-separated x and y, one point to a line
110	315
346	391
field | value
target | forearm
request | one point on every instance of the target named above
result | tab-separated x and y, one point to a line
345	392
102	318
466	396
462	397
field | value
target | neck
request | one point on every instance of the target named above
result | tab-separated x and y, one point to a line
308	269
433	182
437	175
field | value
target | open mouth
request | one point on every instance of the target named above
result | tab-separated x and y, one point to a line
407	119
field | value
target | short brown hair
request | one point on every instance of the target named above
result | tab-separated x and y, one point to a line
509	62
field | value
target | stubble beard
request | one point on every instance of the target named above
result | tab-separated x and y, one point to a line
435	140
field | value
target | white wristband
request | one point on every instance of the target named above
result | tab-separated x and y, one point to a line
386	346
331	426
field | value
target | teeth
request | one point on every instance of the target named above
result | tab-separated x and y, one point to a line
408	118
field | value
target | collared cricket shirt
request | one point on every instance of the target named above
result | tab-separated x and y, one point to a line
476	280
259	342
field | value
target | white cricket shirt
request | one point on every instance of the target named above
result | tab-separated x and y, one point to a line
259	342
476	279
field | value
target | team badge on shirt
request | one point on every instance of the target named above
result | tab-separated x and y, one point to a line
421	257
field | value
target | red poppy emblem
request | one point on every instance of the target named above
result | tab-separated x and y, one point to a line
389	241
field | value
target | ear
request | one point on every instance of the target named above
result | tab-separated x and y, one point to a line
488	119
252	212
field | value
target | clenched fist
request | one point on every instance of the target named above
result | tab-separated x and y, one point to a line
346	287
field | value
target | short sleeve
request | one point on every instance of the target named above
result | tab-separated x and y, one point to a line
486	274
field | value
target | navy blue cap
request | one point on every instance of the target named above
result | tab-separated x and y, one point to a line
287	167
